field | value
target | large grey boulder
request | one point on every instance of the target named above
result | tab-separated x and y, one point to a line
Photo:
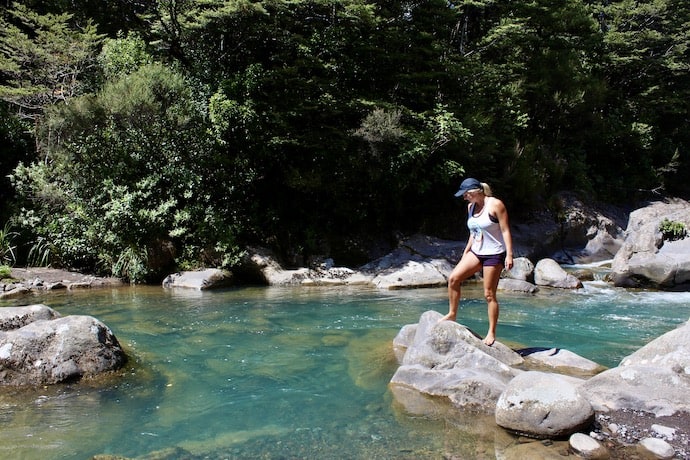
655	379
447	359
543	405
671	351
646	258
415	274
48	351
16	317
210	278
523	269
518	278
268	269
548	272
403	340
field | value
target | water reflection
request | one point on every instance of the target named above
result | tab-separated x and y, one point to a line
274	372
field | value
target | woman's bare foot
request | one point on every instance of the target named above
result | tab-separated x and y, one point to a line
489	339
448	317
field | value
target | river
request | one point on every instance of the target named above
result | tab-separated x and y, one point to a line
278	373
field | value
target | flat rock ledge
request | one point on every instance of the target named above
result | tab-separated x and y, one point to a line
637	408
38	346
419	262
26	281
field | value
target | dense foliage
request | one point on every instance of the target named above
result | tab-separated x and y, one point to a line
177	132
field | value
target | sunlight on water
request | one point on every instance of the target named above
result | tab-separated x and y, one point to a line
277	372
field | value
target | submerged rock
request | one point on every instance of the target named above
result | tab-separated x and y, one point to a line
588	447
657	447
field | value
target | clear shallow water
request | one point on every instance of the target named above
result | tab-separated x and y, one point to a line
296	373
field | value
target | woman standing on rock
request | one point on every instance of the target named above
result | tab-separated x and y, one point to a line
489	249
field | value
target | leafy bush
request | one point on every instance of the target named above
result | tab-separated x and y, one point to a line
129	172
5	272
7	246
673	230
123	55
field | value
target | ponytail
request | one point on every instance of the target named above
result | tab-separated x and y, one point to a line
486	189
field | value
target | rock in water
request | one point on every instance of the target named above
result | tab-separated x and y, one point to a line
48	351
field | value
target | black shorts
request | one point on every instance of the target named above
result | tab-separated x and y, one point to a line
493	260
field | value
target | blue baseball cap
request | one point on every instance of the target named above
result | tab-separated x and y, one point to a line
468	184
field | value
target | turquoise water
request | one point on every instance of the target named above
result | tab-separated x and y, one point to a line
295	373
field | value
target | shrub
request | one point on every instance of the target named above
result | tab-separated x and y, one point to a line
130	167
673	230
7	246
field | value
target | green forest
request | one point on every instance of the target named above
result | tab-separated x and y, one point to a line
140	137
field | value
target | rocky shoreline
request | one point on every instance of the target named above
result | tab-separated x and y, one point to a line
621	430
26	280
639	256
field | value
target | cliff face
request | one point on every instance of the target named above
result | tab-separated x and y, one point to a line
651	256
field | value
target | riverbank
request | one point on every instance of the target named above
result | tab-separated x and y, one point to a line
25	280
621	429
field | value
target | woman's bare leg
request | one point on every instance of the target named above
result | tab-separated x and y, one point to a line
468	266
491	277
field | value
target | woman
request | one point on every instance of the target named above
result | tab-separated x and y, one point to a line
489	249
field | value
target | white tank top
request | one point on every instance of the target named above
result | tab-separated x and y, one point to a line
486	232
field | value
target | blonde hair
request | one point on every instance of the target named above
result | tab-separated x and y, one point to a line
486	189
